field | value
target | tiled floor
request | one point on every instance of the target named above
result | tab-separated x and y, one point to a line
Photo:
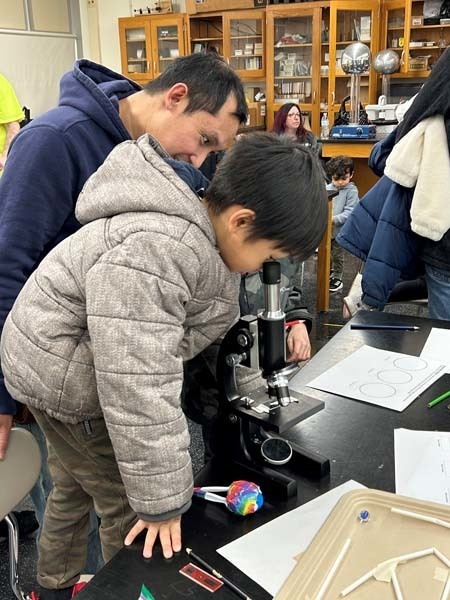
326	325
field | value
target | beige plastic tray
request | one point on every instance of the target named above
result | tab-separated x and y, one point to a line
385	535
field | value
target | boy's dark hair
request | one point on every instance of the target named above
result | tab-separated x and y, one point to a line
282	182
339	167
209	79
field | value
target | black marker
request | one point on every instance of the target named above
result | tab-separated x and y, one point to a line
223	579
397	327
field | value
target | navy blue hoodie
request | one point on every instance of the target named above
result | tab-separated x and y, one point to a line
48	164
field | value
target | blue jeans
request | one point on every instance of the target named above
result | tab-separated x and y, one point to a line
39	495
438	283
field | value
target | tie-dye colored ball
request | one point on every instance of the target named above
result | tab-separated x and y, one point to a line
244	498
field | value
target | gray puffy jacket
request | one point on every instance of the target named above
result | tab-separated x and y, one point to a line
104	324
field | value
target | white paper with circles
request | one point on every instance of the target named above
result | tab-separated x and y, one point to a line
380	377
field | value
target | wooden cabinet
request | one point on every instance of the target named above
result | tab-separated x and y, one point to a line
245	43
148	44
419	45
294	49
239	36
351	21
304	44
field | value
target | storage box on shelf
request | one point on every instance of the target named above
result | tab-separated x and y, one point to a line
418	63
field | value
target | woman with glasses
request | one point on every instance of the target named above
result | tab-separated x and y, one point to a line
289	121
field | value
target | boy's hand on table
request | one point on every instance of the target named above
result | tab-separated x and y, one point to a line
169	533
298	343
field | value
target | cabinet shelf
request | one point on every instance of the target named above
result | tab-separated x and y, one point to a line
292	45
244	55
137	60
136	39
245	37
409	74
292	77
207	39
430	26
348	76
347	42
167	39
427	48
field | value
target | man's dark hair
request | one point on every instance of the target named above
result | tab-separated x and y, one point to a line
209	79
339	167
282	182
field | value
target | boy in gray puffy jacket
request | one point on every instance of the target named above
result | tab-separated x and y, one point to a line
340	170
96	341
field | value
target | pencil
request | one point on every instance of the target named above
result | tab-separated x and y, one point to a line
386	327
229	584
438	399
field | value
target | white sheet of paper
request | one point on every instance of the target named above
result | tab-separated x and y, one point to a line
266	554
422	464
437	346
380	377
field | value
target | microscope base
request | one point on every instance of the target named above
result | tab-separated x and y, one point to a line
240	436
275	482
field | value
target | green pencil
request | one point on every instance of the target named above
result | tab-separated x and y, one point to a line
438	399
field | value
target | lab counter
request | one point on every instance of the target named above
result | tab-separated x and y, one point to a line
357	149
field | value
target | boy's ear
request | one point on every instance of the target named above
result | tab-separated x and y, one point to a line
176	95
240	220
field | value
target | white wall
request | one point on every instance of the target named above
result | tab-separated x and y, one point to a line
108	13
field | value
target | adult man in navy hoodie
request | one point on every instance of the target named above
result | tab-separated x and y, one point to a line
192	109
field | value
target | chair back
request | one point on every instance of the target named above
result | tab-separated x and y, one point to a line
19	469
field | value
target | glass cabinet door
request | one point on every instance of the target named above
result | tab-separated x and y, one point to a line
136	50
167	42
293	61
394	33
427	41
350	24
206	33
244	43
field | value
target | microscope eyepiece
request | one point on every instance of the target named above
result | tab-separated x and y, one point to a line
271	272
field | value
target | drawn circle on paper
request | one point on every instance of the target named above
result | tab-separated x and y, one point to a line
410	363
394	376
377	390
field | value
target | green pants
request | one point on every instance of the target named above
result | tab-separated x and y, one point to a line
337	260
85	474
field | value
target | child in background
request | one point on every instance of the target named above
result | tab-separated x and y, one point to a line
340	170
95	342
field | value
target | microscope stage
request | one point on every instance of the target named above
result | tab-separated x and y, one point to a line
281	418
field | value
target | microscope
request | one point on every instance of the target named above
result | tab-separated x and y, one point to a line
252	426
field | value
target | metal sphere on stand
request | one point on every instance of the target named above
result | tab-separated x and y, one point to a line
355	61
386	62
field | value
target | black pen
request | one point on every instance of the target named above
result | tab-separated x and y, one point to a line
397	327
223	579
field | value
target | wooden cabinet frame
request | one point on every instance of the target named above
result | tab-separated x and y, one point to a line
242	15
351	5
308	9
150	25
